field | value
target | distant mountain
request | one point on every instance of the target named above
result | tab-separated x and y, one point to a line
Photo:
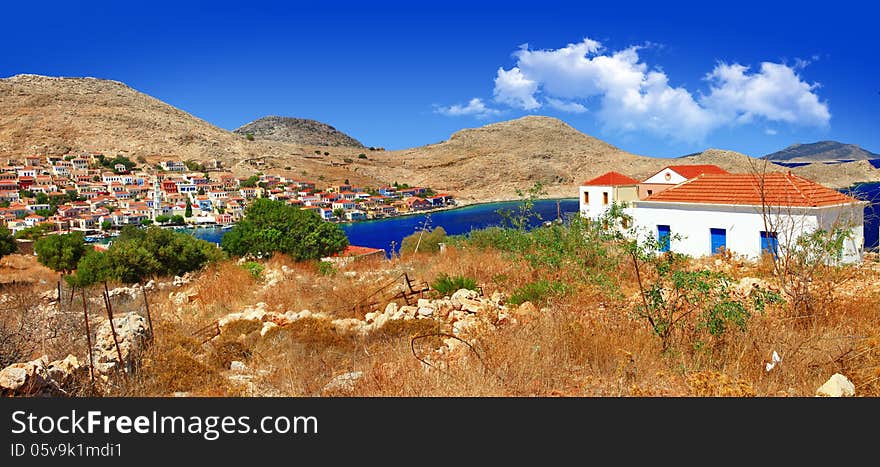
822	151
297	131
58	116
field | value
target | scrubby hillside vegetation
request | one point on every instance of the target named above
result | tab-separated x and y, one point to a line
561	310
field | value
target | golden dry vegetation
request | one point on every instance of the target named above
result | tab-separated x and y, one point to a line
584	343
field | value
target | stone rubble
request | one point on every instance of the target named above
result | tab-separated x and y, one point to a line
41	377
465	314
837	385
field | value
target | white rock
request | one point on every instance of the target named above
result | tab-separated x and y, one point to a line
344	382
267	326
837	386
350	273
425	311
236	365
424	302
13	378
391	308
465	293
371	316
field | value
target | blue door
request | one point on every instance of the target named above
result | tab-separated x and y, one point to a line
663	237
769	243
719	240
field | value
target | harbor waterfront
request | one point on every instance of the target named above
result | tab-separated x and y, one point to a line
381	233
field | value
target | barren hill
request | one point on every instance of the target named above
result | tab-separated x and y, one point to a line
297	131
51	115
43	115
491	162
822	151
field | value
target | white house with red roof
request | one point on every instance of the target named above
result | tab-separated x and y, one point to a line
746	214
597	195
672	175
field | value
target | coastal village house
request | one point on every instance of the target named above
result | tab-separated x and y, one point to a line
715	211
597	195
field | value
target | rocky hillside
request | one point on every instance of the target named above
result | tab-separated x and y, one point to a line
46	115
822	151
492	161
50	115
297	131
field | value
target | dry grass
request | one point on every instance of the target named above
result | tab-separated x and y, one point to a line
585	343
25	268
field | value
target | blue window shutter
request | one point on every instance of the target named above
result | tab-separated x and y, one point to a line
663	233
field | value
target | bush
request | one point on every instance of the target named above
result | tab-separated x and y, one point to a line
249	136
61	252
272	226
445	285
255	268
425	240
362	156
326	268
7	242
538	292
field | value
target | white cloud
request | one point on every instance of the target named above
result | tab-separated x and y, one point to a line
566	106
775	93
630	96
513	89
770	131
474	107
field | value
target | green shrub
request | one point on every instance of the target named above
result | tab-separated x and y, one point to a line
326	268
253	267
272	226
538	292
445	285
427	240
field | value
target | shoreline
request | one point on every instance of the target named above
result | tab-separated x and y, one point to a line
466	204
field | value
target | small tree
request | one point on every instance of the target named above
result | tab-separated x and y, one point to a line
106	225
339	213
8	244
188	212
272	226
61	253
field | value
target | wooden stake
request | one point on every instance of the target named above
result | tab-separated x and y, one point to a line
147	305
109	307
88	337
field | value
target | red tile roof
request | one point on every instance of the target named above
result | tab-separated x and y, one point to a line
691	171
779	189
352	250
612	179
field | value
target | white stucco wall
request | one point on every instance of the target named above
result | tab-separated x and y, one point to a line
660	177
743	225
597	207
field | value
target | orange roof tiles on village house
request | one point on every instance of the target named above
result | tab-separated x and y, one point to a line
352	250
611	179
779	189
692	171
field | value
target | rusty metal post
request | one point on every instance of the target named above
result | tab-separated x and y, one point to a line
109	307
88	337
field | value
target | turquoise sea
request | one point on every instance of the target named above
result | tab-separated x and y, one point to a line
382	232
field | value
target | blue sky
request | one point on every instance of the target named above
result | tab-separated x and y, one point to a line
400	75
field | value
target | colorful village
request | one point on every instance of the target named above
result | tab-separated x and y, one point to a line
96	194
